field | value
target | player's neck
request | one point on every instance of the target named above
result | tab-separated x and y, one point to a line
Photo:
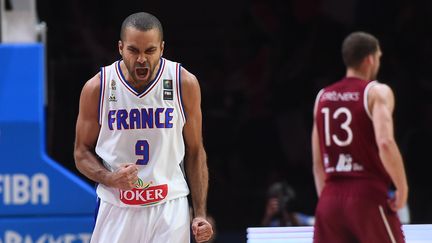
353	73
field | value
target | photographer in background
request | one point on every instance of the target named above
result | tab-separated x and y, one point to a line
280	211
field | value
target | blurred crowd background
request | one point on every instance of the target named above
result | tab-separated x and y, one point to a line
260	64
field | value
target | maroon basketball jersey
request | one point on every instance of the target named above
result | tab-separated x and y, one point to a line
346	134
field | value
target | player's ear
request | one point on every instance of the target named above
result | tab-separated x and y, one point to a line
370	59
120	47
162	47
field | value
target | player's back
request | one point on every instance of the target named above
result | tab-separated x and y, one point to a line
346	134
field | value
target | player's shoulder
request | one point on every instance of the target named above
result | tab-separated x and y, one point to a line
380	92
380	89
187	78
379	85
93	84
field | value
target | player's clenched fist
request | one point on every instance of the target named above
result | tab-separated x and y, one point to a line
201	229
124	177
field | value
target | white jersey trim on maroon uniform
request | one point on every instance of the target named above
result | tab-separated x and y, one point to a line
317	100
386	224
366	95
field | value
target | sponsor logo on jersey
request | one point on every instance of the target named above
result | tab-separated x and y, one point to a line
167	84
144	194
167	95
167	92
112	98
139	184
336	96
344	163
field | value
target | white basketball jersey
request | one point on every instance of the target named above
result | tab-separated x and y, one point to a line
144	128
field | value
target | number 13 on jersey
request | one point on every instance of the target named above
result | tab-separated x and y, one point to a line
344	125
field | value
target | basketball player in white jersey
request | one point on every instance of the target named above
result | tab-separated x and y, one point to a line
139	118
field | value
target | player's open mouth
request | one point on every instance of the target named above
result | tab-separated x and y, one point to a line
142	72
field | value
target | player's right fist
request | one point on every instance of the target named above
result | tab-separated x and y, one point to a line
124	177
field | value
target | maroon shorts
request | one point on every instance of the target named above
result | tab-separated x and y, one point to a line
351	212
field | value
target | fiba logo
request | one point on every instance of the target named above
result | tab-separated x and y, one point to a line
20	189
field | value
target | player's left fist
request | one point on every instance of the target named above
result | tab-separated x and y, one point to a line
201	229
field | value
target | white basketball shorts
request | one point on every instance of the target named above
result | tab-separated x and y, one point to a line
166	222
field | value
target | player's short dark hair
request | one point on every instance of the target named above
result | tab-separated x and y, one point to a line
141	21
357	46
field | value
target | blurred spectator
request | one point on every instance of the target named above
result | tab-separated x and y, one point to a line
280	208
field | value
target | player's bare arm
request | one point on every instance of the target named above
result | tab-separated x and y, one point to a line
195	157
87	132
381	104
318	168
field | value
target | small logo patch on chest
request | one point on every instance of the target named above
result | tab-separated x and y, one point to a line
167	95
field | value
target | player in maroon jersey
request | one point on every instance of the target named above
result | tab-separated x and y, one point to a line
356	160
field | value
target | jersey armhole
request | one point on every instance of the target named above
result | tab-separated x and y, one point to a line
366	96
179	92
101	94
316	101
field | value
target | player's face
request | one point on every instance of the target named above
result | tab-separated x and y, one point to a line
141	52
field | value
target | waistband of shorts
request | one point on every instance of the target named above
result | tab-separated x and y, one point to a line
357	187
